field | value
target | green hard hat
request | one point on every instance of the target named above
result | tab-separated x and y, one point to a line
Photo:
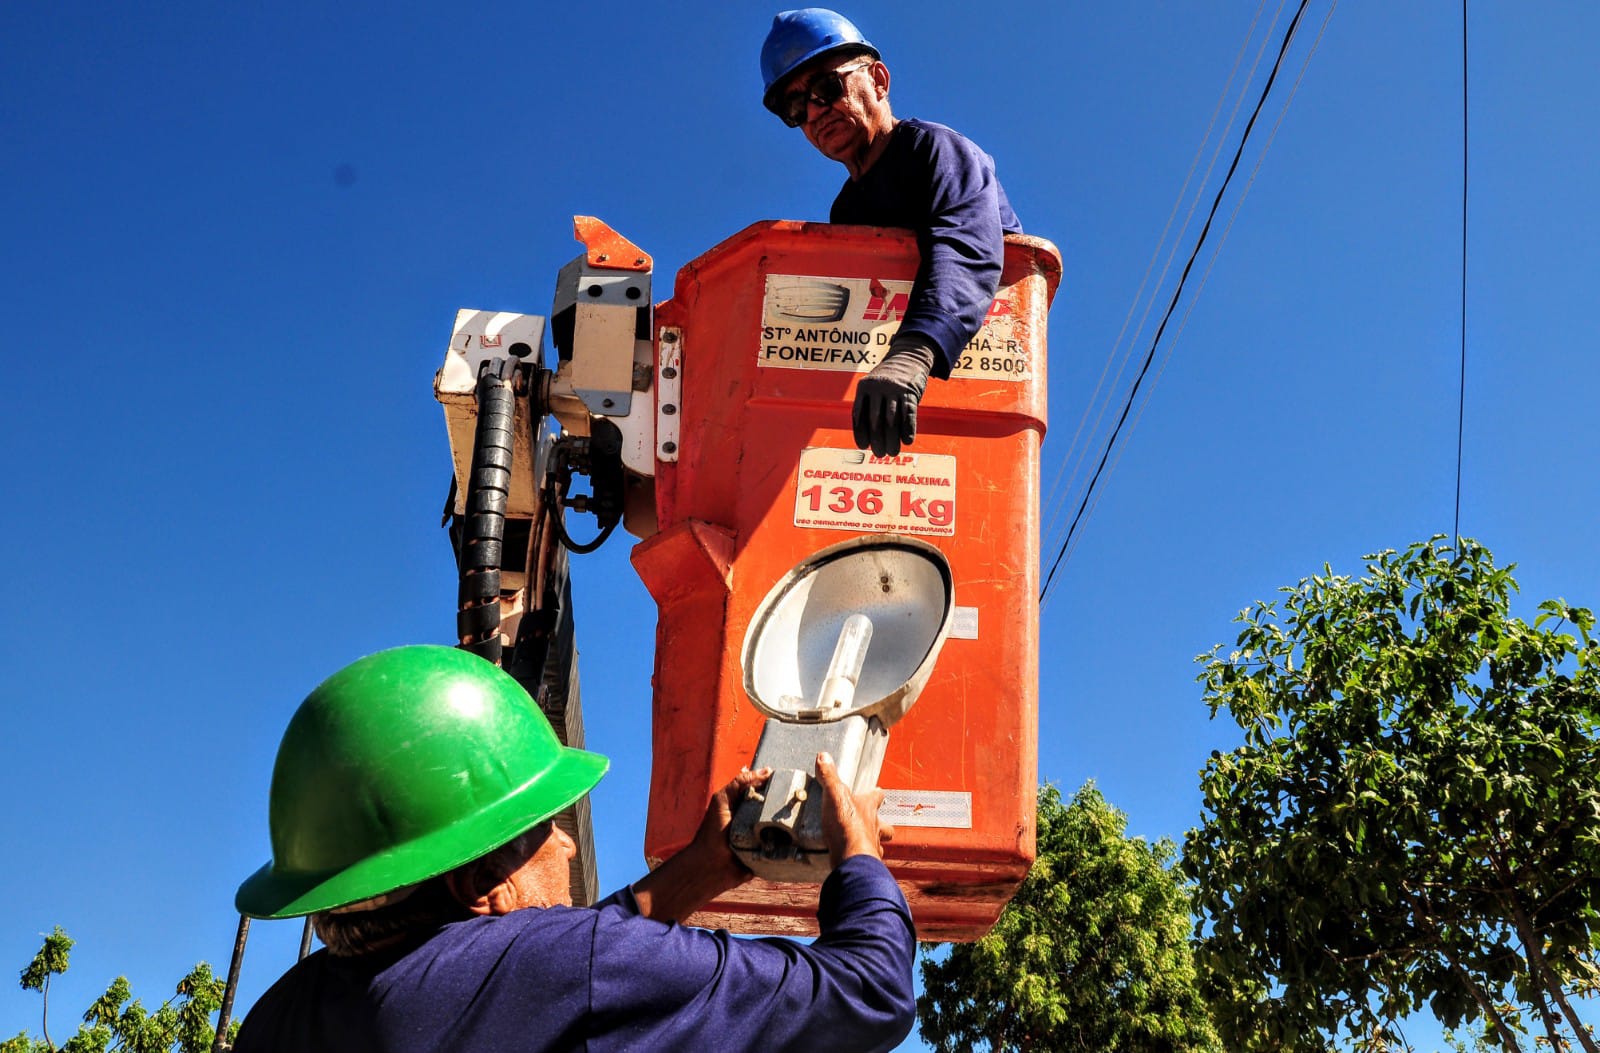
401	767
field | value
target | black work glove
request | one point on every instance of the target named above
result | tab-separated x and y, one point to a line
885	414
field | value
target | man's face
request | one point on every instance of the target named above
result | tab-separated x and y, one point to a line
861	114
530	871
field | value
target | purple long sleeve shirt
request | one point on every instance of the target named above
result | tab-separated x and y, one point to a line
606	978
933	180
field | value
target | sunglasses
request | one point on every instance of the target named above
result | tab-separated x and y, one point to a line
826	90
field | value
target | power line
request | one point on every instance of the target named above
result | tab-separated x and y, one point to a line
1211	263
1120	354
1177	294
1461	396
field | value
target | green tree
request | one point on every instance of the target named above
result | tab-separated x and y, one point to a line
1413	821
118	1021
50	961
1093	953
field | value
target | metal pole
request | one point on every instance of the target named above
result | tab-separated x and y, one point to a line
305	940
219	1044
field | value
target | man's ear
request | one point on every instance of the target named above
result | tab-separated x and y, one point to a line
880	79
465	884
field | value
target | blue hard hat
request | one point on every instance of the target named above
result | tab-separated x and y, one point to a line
799	36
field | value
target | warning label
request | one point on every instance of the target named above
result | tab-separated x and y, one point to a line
912	493
845	324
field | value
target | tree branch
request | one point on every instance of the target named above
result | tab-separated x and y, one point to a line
44	1022
1508	1040
1544	976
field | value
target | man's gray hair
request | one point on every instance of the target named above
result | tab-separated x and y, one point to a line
428	906
362	932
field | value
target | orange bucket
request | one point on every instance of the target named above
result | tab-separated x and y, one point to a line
757	356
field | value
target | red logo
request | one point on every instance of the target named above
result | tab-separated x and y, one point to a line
884	306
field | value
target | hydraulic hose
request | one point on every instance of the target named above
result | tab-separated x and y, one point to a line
600	457
585	547
478	598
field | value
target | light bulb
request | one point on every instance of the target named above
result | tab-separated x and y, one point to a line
844	672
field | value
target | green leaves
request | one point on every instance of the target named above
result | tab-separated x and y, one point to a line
50	961
1092	954
1413	817
116	1021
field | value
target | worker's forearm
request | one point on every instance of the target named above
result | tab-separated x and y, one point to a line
686	882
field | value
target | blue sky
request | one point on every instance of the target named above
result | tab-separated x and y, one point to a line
235	237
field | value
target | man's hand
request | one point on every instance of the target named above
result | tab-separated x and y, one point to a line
707	867
710	846
849	821
885	413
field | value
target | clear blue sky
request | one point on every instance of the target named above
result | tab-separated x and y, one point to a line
234	237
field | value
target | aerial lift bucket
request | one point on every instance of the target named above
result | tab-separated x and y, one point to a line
758	484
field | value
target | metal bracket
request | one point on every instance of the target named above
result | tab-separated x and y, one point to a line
669	394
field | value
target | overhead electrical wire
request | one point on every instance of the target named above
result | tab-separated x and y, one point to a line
1217	252
1177	294
1076	454
1120	354
1461	396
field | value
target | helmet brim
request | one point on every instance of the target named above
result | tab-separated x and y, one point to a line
270	893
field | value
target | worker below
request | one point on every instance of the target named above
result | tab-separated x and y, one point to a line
823	77
411	816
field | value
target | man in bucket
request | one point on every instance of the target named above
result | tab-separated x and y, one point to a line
822	76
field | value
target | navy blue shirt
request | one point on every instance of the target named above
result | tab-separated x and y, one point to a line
607	978
938	183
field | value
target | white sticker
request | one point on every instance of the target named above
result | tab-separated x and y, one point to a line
912	493
844	324
947	808
964	624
